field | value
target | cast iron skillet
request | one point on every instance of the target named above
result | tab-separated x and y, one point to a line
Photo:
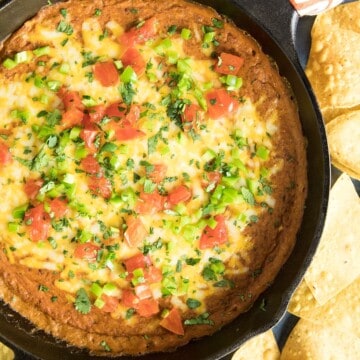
273	24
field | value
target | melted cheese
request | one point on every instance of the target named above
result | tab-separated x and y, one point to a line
181	153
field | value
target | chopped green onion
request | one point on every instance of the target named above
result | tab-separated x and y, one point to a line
88	101
53	85
208	155
108	147
9	63
22	56
75	132
64	68
128	75
209	37
262	152
163	46
118	64
44	50
109	289
13	226
85	236
99	303
19	212
96	289
183	65
186	34
69	179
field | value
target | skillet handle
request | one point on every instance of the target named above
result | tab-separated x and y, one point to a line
278	18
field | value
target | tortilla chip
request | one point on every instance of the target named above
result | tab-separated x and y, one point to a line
313	341
330	113
261	347
336	263
344	139
334	61
6	353
302	303
342	311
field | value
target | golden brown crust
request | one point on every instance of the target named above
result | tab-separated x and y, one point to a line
274	234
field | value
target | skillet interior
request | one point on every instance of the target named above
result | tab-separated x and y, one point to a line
18	333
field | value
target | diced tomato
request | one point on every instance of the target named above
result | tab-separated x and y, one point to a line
72	117
91	165
139	35
173	322
143	291
138	261
5	156
86	251
89	135
129	299
157	175
150	203
128	133
135	232
133	58
220	103
71	99
132	116
152	274
212	177
191	116
147	307
32	187
117	110
213	237
110	303
180	194
106	73
38	222
96	113
59	207
228	64
100	186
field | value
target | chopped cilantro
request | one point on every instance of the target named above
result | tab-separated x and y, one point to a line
127	92
247	195
217	23
63	12
129	313
82	302
192	261
172	29
97	12
202	319
193	303
105	346
65	28
43	288
89	58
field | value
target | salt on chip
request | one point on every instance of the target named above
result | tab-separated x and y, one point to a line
334	61
260	347
336	263
344	139
317	342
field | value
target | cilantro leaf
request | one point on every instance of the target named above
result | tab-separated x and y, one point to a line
127	92
65	28
82	302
